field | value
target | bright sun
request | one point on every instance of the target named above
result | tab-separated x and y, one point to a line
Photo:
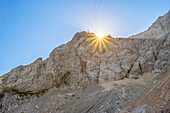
100	35
99	41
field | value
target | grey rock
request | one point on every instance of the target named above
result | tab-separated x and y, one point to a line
73	65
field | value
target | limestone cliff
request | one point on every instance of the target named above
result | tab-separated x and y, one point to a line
74	65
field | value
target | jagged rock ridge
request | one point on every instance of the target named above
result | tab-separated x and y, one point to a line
74	65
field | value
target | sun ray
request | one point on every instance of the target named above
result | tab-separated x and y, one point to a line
100	42
92	35
111	39
108	42
92	38
106	37
100	46
95	46
104	45
91	43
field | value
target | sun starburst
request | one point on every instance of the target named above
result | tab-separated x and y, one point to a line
99	42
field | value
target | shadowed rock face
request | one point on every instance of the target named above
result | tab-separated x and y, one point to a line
75	65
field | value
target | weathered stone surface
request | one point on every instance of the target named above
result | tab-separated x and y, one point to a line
152	98
74	65
144	109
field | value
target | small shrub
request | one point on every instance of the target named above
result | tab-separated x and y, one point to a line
64	79
6	89
26	93
1	95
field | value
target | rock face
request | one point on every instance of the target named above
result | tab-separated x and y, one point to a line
154	94
76	66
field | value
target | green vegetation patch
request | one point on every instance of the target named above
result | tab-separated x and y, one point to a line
26	93
1	95
37	93
64	79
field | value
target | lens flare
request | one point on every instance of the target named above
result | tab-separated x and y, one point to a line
100	35
99	42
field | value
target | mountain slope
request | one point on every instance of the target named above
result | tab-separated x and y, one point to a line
73	65
95	98
154	93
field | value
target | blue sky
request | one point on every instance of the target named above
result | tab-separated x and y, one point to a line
32	28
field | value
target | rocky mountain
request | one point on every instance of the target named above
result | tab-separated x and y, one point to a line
88	76
154	96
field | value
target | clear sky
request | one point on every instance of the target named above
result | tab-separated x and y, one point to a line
32	28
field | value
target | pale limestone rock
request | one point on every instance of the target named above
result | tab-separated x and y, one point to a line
74	65
128	56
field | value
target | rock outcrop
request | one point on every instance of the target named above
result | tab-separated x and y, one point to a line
76	66
155	94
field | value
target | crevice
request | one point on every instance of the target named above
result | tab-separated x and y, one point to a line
131	66
77	54
153	51
127	74
162	27
140	67
81	43
161	46
82	64
154	54
98	73
120	64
